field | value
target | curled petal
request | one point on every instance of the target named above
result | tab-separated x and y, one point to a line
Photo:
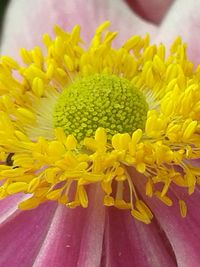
153	10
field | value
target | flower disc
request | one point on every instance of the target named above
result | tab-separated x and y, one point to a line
100	100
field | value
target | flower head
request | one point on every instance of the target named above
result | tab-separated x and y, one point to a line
78	115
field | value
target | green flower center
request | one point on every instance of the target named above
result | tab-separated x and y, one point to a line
100	100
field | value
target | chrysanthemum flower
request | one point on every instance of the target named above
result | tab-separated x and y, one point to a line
88	124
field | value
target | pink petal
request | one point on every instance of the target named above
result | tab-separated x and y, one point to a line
21	236
26	21
131	243
183	20
183	234
153	10
75	236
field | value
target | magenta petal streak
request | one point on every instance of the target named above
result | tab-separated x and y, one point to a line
22	235
183	234
132	244
75	236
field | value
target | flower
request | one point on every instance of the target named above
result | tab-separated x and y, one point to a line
76	120
94	127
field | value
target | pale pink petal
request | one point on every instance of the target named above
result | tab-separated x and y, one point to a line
75	236
26	21
153	10
130	243
21	236
9	205
183	20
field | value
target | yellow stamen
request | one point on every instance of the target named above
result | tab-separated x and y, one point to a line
103	145
183	208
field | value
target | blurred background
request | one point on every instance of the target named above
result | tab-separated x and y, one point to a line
3	5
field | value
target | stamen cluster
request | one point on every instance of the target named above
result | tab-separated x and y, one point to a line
51	163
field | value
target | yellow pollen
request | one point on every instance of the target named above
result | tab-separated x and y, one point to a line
125	120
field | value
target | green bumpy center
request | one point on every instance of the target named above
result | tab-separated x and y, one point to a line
100	100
